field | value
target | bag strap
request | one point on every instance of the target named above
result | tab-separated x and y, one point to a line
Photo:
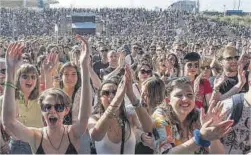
123	137
238	102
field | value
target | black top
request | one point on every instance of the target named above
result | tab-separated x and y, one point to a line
230	82
99	65
70	150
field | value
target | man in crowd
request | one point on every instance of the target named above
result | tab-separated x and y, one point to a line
103	62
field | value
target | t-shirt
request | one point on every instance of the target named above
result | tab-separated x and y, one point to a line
230	82
30	115
204	89
169	136
238	141
97	66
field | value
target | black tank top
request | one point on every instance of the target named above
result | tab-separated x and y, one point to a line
70	150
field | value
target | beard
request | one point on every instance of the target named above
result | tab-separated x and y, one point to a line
231	69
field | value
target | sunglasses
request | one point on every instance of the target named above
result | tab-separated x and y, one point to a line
143	71
195	65
57	107
25	77
205	68
102	51
3	71
232	58
108	93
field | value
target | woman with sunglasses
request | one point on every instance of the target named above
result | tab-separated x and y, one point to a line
172	58
142	73
110	127
26	95
182	128
203	90
56	138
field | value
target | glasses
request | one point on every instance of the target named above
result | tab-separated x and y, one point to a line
25	77
236	58
3	71
143	71
102	51
195	65
57	107
205	68
108	93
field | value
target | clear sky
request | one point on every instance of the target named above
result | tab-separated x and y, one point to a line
205	4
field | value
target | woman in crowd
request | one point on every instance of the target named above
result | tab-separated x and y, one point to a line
142	73
202	87
26	95
112	129
182	129
172	58
56	138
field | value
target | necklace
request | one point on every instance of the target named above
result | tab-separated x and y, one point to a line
59	143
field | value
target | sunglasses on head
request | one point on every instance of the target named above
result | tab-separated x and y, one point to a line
108	93
143	71
195	65
232	58
57	107
3	71
205	67
25	77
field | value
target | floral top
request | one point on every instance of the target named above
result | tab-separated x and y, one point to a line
169	135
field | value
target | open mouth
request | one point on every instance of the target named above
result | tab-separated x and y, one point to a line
53	120
28	85
184	105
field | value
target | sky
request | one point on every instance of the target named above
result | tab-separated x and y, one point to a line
216	5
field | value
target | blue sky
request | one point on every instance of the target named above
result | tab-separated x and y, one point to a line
205	4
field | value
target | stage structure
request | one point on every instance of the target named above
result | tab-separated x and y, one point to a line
83	23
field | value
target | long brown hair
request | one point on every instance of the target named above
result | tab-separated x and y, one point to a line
27	68
192	117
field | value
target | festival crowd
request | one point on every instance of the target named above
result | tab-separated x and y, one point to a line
153	82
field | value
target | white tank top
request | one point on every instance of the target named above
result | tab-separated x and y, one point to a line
105	146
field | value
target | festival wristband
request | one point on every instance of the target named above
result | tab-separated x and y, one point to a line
10	85
198	141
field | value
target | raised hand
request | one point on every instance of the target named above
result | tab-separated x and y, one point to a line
85	53
13	55
121	59
218	81
120	94
241	75
50	63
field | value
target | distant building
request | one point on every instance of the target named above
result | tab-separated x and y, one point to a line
185	5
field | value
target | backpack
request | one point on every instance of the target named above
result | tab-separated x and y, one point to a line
238	102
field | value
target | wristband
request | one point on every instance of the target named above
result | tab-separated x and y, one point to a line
10	85
198	141
137	105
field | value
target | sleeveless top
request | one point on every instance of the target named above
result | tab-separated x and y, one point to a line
70	150
105	146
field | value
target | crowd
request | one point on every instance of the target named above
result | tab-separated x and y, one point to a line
154	82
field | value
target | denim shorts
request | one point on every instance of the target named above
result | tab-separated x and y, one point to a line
19	147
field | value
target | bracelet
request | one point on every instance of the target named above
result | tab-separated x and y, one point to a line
10	85
198	141
137	105
110	113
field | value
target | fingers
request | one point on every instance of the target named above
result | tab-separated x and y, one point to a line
202	114
208	123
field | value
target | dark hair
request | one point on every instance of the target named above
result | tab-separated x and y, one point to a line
139	66
176	65
27	68
78	84
192	117
192	56
99	108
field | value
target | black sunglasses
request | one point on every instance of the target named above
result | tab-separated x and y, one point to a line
195	65
47	107
3	71
143	71
103	51
107	92
232	58
205	68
